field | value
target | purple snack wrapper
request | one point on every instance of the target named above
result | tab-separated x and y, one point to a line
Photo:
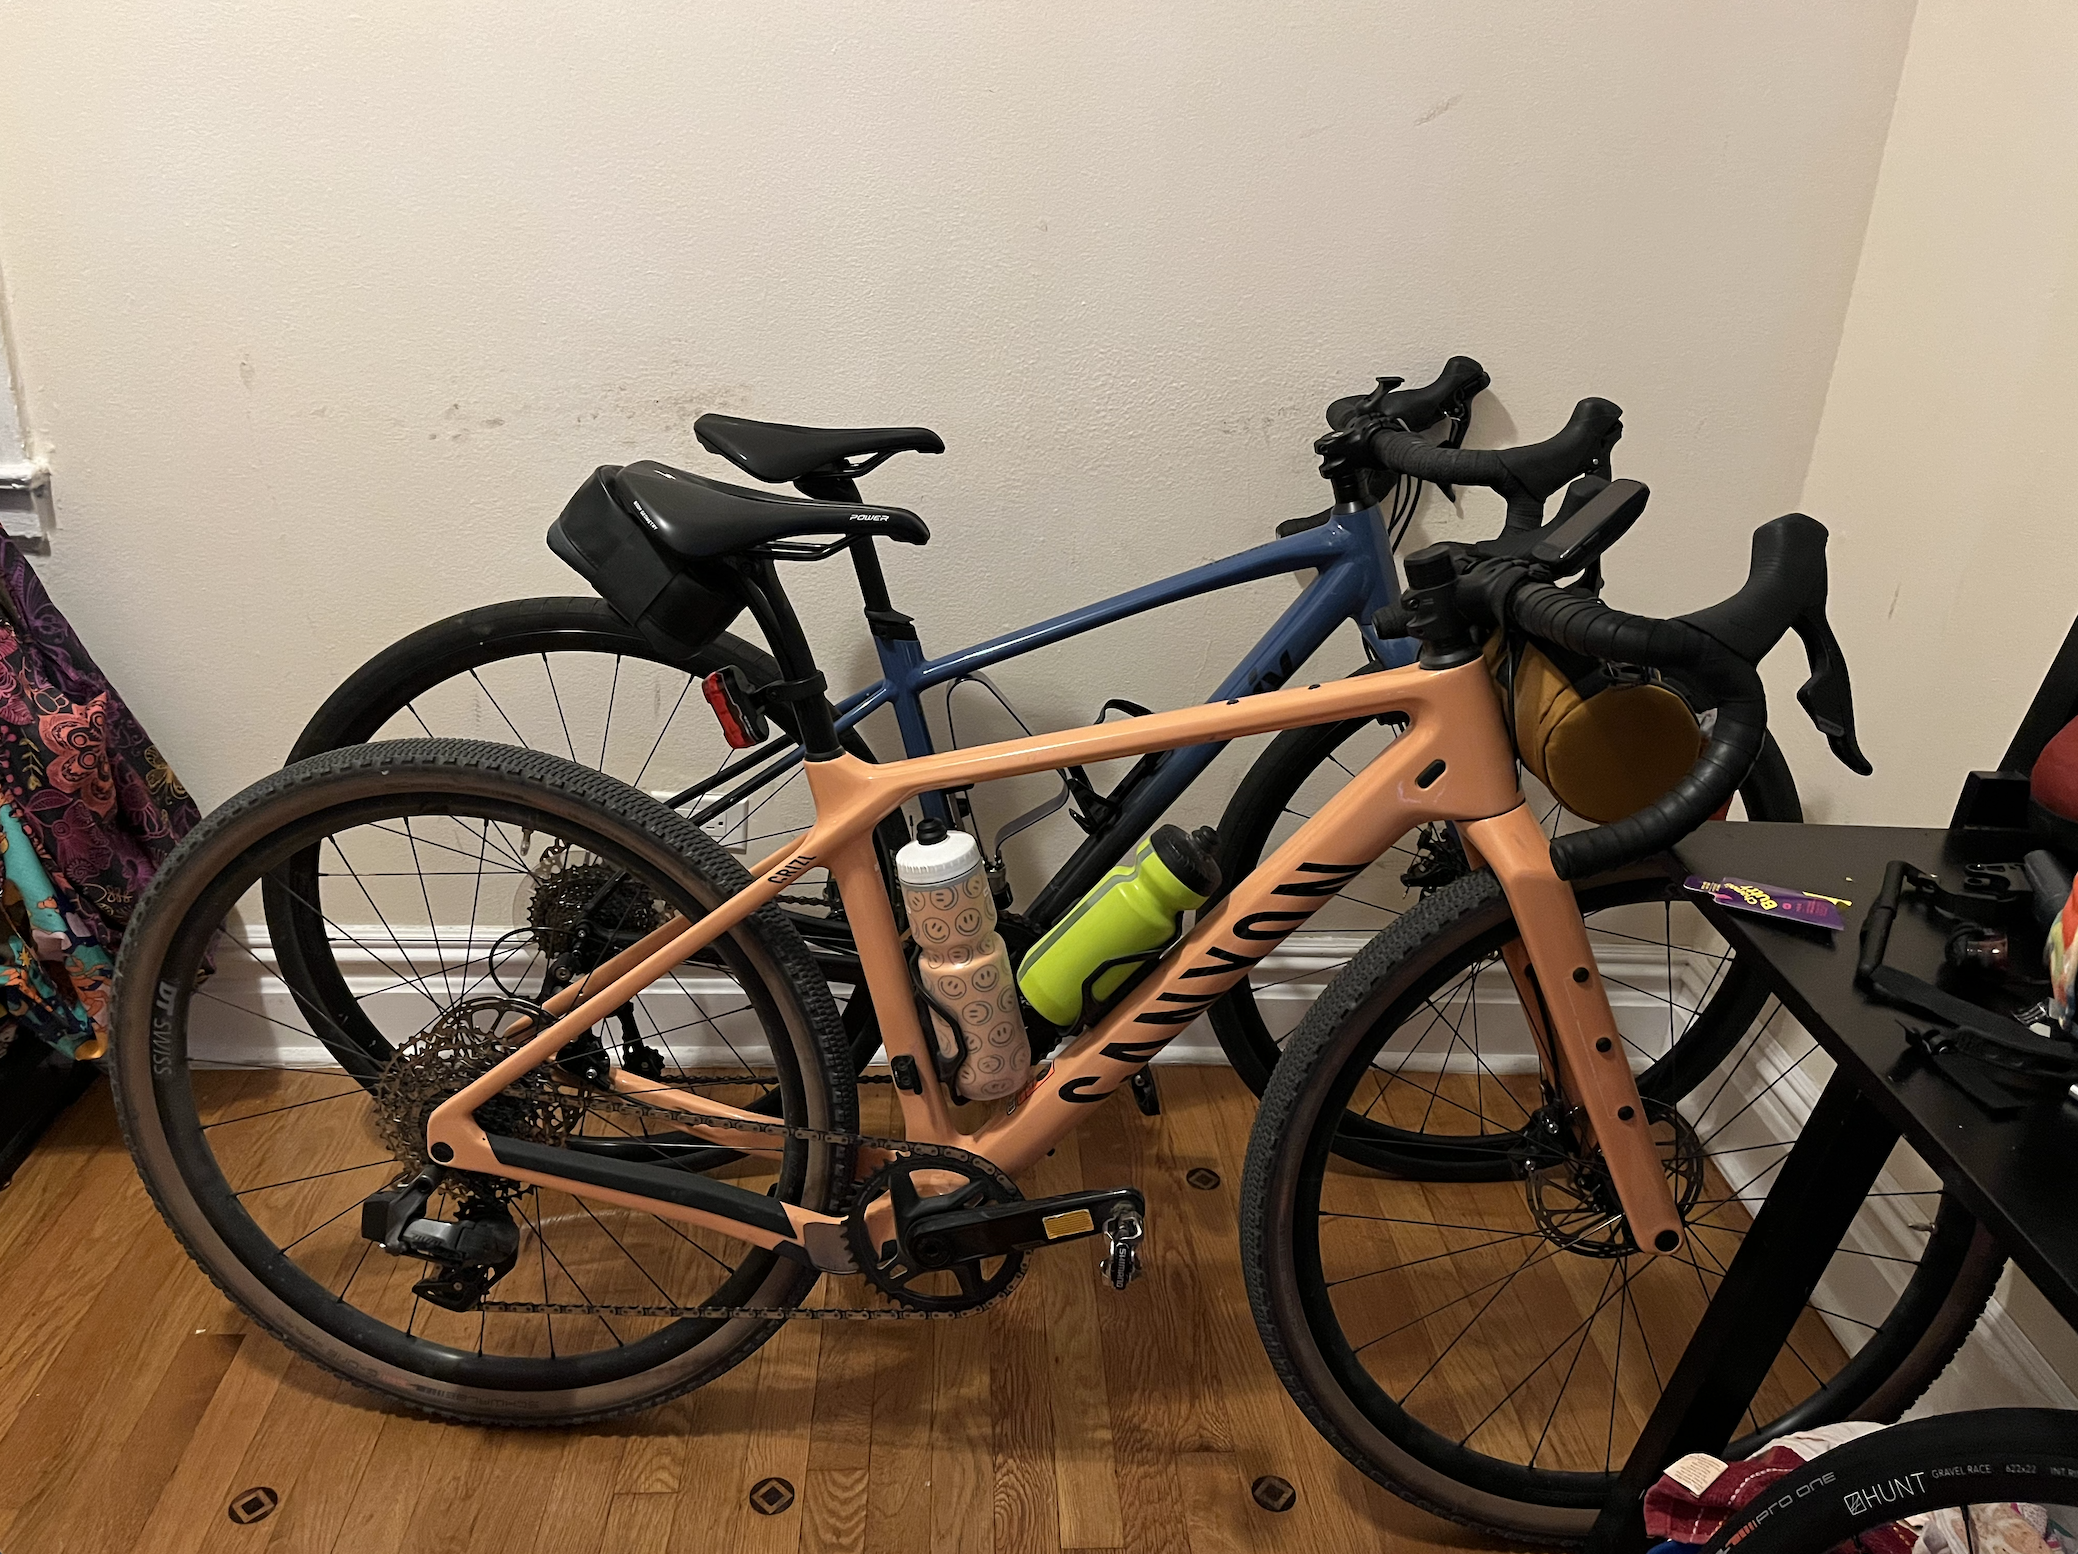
1770	900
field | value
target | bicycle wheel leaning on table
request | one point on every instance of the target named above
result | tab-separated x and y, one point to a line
1489	1346
1492	1346
1686	996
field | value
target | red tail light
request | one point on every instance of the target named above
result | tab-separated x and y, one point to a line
743	725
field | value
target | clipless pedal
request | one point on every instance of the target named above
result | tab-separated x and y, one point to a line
1124	1230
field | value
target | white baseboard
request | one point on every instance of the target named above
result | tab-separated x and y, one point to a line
250	1020
1999	1367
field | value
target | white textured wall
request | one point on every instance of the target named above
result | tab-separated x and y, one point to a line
11	440
1943	461
322	311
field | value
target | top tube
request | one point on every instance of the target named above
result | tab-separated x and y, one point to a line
1340	541
1348	551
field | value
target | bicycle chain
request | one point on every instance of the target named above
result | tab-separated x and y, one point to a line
784	1313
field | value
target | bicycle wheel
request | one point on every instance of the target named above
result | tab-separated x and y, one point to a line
447	872
570	677
1982	1462
1489	1348
567	676
1683	1027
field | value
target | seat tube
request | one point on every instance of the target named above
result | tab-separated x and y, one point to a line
803	686
900	660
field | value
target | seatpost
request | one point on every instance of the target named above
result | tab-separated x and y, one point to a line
804	685
882	618
865	561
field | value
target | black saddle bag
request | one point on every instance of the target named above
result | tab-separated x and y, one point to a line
654	591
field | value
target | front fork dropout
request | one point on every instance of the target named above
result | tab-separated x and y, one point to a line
1567	1006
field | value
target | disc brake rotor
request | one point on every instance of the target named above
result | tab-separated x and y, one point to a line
1571	1197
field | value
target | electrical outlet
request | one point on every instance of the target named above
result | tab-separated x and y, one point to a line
731	827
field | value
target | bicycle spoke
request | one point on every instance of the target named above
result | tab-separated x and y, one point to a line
1765	1090
612	691
516	734
1581	1328
1470	1322
314	1176
272	1111
557	696
519	864
426	896
541	1240
643	770
335	1219
1499	1240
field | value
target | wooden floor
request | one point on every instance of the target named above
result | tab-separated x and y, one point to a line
136	1406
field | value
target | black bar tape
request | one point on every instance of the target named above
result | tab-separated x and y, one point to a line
1417	456
1525	475
1587	626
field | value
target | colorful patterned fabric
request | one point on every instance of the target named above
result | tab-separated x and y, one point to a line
1992	1529
88	809
55	976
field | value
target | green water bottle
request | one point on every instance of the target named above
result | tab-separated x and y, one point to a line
1131	909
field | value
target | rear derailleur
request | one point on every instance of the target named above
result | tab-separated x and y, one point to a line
957	1239
464	1256
588	1061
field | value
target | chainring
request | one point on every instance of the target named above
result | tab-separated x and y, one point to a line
462	1044
888	1267
1571	1197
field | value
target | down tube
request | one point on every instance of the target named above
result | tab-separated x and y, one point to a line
1296	635
1346	835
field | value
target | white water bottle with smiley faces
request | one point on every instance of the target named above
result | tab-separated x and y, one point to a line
962	961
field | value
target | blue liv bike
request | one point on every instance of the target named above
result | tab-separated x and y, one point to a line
624	682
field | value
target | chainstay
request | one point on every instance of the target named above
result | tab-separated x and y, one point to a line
783	1313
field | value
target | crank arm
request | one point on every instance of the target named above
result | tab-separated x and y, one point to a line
963	1235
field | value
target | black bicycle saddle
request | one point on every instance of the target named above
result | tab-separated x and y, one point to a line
696	518
770	451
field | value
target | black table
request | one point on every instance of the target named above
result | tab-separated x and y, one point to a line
2017	1175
